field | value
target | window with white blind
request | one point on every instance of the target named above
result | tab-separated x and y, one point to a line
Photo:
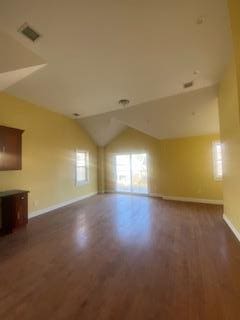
217	160
82	167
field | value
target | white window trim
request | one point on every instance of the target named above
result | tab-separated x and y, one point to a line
215	175
85	182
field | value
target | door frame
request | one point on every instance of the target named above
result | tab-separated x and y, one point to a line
115	171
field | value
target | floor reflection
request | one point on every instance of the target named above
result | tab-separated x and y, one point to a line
133	224
82	231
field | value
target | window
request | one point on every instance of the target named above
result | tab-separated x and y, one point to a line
131	173
82	170
217	160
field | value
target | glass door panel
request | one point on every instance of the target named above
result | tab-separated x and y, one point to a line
139	173
123	173
131	173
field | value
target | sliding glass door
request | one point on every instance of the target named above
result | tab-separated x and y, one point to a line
131	173
123	173
139	173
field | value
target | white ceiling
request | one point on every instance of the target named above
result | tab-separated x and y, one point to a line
98	52
17	62
190	114
103	128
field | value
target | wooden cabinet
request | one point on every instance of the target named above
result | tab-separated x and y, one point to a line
14	210
10	148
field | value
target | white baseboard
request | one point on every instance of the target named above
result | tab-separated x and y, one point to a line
155	195
231	226
128	193
59	205
197	200
183	199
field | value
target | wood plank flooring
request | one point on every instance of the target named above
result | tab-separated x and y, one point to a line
122	257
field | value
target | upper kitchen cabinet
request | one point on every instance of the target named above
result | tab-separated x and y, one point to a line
10	148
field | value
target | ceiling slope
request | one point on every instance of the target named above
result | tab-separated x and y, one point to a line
102	128
191	114
101	51
17	62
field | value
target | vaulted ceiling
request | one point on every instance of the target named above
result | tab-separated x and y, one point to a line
94	53
16	62
98	52
191	114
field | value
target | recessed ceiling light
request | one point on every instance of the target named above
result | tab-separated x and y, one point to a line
201	20
124	102
29	32
188	84
196	72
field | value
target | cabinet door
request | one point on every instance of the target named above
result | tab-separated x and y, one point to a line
13	150
21	210
2	149
14	212
10	148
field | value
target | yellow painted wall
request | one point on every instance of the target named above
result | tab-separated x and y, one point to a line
49	144
234	10
177	167
101	170
229	107
230	137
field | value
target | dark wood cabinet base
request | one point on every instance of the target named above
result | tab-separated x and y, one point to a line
14	210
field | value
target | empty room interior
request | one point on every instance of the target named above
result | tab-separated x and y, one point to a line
120	160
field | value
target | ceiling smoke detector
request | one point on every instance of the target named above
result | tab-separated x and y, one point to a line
29	32
188	84
124	102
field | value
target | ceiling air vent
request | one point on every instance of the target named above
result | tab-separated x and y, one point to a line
124	102
188	85
29	32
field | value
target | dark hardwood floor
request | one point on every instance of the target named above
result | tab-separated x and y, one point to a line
122	257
